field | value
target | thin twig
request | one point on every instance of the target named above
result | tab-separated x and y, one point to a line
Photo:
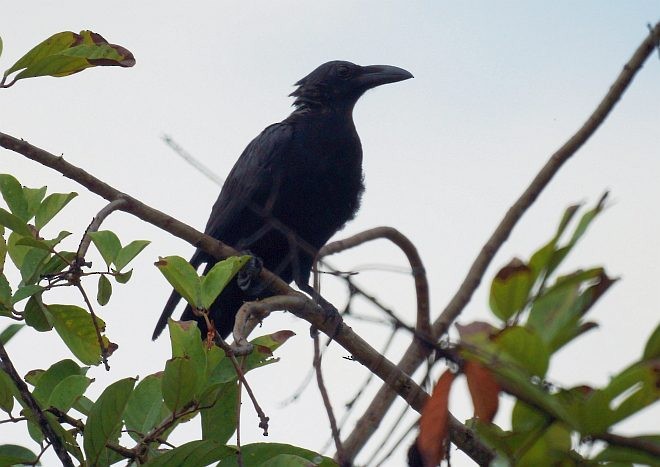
326	400
97	329
415	354
108	209
33	405
423	326
80	426
229	352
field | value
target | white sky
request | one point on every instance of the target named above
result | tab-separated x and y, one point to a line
497	88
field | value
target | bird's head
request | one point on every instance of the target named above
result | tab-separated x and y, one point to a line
340	84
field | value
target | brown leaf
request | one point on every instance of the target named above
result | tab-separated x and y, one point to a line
484	390
515	265
475	328
282	336
434	422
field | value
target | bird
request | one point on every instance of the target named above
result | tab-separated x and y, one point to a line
293	187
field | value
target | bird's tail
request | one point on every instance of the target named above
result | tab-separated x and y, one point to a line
167	312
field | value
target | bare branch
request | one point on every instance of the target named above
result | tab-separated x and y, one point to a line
326	401
263	419
95	224
415	354
408	248
105	352
33	405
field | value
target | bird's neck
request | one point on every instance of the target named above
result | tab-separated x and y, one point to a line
341	116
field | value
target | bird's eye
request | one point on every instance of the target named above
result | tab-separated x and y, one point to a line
344	71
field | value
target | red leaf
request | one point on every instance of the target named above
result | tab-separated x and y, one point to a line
484	390
434	422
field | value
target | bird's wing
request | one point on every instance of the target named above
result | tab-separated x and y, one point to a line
252	179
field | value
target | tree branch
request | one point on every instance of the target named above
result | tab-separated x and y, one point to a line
408	248
33	405
415	354
332	326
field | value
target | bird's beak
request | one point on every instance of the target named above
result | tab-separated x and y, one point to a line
375	75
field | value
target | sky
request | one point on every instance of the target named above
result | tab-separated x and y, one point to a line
498	88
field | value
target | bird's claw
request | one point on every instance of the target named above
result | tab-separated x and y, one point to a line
247	277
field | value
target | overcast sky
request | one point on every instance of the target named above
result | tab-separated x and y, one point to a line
498	87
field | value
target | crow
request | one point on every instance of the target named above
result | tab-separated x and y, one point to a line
292	188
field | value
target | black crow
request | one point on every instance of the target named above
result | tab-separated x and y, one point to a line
294	187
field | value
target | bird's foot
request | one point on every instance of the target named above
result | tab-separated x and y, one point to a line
248	277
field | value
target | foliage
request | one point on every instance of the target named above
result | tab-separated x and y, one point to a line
199	380
539	313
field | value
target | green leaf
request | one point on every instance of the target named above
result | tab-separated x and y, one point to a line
43	244
180	383
527	419
33	376
45	383
7	391
183	277
510	289
53	204
123	277
36	315
258	453
107	243
526	348
83	405
220	418
67	392
14	223
549	449
25	292
218	277
629	392
33	265
264	346
11	454
145	408
5	294
50	46
0	45
104	290
16	252
12	192
105	419
652	348
129	252
555	315
58	262
3	251
76	328
34	197
518	381
193	454
66	53
9	332
285	460
618	454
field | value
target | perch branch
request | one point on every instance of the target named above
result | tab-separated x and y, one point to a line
330	325
33	405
